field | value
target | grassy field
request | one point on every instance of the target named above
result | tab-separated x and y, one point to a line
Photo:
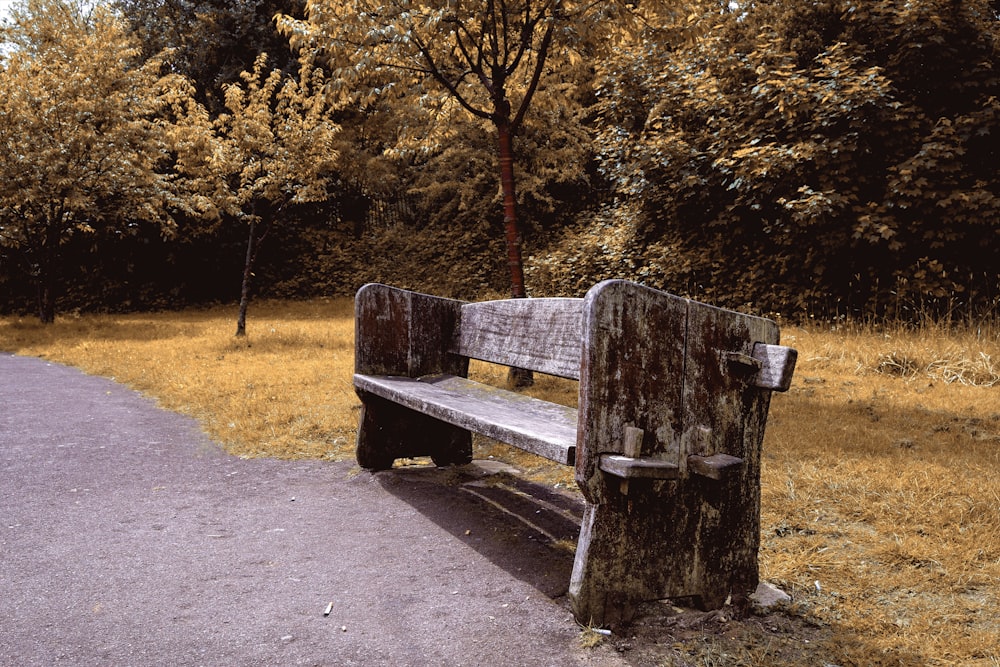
881	467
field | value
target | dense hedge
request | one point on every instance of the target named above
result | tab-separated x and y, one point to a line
318	256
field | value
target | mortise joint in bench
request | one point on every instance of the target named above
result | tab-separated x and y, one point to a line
638	468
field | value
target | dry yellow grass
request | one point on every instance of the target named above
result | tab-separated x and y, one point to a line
284	390
882	485
881	492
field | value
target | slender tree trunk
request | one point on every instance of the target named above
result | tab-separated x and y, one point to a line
46	258
241	321
517	377
46	300
511	229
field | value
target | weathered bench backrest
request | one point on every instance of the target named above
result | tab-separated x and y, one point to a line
542	335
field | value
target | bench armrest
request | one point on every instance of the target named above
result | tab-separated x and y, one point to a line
399	332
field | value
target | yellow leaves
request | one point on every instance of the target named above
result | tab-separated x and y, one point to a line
276	142
875	228
103	140
475	52
750	165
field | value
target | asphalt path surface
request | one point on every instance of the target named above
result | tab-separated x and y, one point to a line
127	537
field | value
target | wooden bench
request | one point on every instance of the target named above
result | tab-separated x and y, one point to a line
666	438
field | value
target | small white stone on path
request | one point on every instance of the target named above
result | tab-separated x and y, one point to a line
767	596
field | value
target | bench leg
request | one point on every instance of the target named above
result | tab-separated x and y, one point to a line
387	431
639	550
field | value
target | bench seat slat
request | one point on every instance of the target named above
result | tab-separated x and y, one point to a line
543	428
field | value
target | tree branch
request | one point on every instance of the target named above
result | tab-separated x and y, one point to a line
436	73
543	53
477	66
490	30
506	32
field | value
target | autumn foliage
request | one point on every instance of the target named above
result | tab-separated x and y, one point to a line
825	158
822	157
93	139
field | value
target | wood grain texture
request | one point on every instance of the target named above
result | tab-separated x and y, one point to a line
734	409
540	427
666	442
777	364
627	467
716	466
399	332
537	334
696	536
631	376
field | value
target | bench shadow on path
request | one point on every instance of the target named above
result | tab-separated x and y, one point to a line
527	529
530	531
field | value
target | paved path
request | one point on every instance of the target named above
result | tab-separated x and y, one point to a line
128	538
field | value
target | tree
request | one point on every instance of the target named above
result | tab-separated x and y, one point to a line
486	60
94	140
211	42
277	147
832	153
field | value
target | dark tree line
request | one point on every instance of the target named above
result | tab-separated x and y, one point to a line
827	158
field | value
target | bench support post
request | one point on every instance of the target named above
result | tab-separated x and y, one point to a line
388	431
403	333
645	548
667	369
